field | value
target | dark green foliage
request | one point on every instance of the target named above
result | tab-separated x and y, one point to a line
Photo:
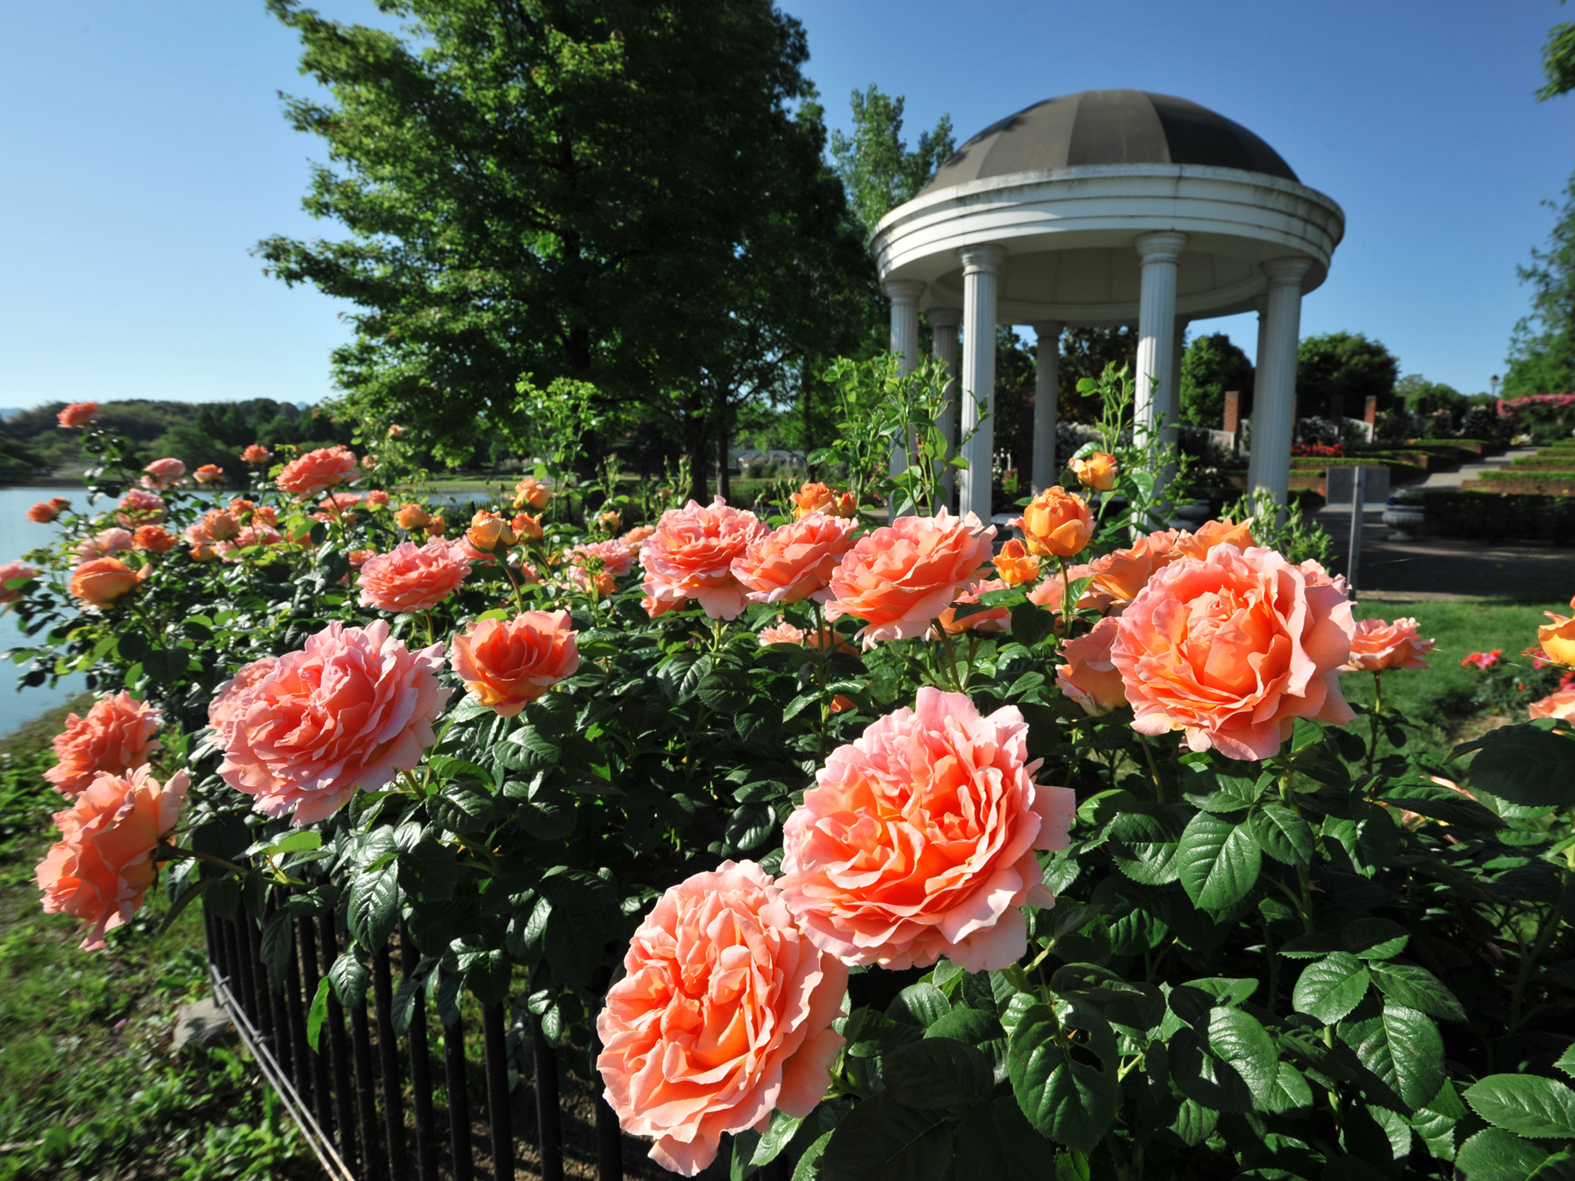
1347	368
1211	366
1499	515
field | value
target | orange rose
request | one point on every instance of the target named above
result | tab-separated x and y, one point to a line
994	619
1560	704
163	473
1558	637
1014	564
77	414
45	511
1209	535
139	507
1233	649
723	1015
435	526
395	431
817	498
99	582
636	536
609	522
794	562
1376	645
114	736
412	516
918	839
526	526
101	868
377	498
488	530
412	578
155	539
1057	523
508	664
528	493
203	552
691	554
318	471
255	453
208	473
1097	471
1089	677
781	632
902	576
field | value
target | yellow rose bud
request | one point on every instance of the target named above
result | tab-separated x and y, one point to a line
1558	638
1014	564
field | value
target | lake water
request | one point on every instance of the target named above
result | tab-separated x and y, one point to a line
18	535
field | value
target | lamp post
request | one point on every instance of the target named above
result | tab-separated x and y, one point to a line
1493	384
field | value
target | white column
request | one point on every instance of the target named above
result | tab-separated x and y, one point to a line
943	345
981	277
1258	369
1274	387
1159	253
1047	377
904	295
1172	404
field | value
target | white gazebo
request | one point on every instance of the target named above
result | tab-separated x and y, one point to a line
1105	208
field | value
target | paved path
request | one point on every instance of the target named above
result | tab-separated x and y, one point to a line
1469	471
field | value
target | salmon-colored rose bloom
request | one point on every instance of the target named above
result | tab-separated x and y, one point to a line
1123	573
115	735
918	839
1559	704
317	471
1049	593
993	619
412	516
1057	523
1233	649
163	473
488	531
607	560
609	522
1089	677
99	582
245	538
723	1016
208	473
104	543
435	526
1015	564
527	527
1376	645
256	454
77	414
817	498
781	633
46	511
9	572
101	868
154	539
395	431
1211	534
303	732
213	526
691	555
795	562
1558	637
413	578
203	552
139	507
1097	471
528	493
636	537
377	498
902	576
507	664
360	557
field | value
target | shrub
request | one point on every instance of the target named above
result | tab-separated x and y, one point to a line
1499	515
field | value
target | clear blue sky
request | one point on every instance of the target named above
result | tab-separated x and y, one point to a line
142	153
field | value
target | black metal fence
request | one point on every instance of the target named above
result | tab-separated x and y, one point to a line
365	1098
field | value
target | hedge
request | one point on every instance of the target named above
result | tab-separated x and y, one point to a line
1499	516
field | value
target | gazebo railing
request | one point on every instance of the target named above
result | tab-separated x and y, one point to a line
365	1098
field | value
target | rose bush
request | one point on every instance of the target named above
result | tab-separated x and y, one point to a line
1108	881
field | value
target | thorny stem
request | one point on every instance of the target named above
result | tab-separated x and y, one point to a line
1153	768
1305	904
1066	607
951	657
1378	708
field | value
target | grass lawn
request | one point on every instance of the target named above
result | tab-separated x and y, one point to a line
88	1085
1440	699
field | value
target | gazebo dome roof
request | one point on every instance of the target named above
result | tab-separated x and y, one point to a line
1097	127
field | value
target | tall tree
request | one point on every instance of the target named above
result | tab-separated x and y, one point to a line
1542	346
579	188
1211	366
877	168
1344	369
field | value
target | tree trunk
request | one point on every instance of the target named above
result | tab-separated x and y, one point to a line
724	484
804	385
695	452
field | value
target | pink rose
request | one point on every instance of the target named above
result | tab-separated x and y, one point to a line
508	664
918	839
781	633
1559	704
1089	677
139	507
795	562
1376	645
104	543
255	453
246	537
412	578
208	473
902	576
162	473
1049	593
101	868
10	571
377	498
723	1016
995	619
303	732
114	736
318	471
690	556
77	414
1232	649
609	559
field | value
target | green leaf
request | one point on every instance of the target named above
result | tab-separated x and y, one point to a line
1068	1101
573	946
1244	1045
1218	861
374	906
1416	988
1403	1048
1374	939
1307	947
295	842
1529	764
881	1140
808	1167
1031	624
429	871
1526	1104
278	939
1143	842
317	1014
1282	834
461	809
1331	987
937	1072
1290	1091
350	978
408	995
1566	1061
1194	1122
1495	1155
777	1137
748	826
919	1004
995	1142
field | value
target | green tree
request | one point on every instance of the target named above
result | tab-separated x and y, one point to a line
1084	353
875	164
1558	61
564	188
1427	397
1542	346
1344	368
1210	367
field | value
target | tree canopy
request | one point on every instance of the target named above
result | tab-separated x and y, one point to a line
1211	366
1347	368
875	164
1542	346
